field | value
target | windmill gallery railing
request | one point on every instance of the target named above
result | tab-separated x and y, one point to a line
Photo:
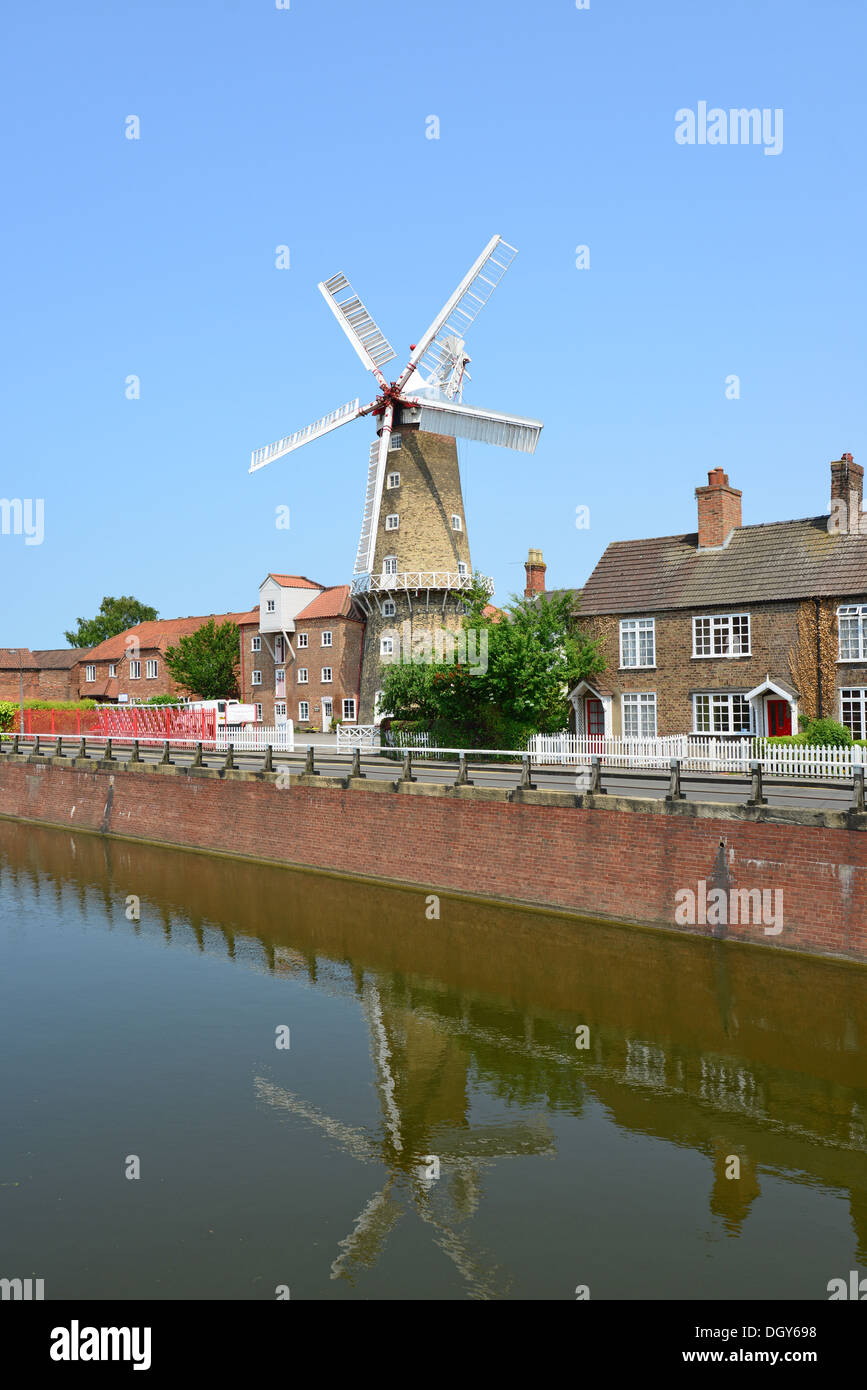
415	580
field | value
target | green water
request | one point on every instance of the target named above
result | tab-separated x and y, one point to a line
432	1131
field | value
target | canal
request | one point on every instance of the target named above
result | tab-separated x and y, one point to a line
326	1088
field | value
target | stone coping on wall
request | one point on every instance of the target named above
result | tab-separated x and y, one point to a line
814	817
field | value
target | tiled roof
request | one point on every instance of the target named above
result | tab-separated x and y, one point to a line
60	658
294	581
161	633
778	560
331	603
17	658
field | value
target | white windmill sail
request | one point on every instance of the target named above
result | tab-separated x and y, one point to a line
373	496
460	309
332	421
470	422
360	327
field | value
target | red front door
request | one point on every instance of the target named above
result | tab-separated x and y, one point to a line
779	718
595	717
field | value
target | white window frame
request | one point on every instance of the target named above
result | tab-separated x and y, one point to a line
270	606
304	711
350	717
303	639
389	565
326	676
112	668
855	696
90	673
720	631
713	709
457	524
280	674
392	521
255	644
279	653
259	714
641	701
395	442
279	708
852	632
327	638
255	677
389	608
302	675
135	670
637	634
152	669
393	480
386	646
462	567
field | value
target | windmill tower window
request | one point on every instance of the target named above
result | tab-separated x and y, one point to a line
392	521
395	442
462	569
394	480
389	608
255	644
457	524
389	564
386	646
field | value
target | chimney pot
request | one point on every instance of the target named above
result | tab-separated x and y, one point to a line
535	567
847	486
719	510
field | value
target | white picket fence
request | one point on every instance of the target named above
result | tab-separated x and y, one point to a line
352	736
257	738
698	753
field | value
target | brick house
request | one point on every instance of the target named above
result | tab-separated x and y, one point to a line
301	656
731	629
48	674
130	667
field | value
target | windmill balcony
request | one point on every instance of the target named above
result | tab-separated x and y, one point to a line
414	580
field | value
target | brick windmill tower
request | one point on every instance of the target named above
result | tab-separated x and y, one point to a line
413	562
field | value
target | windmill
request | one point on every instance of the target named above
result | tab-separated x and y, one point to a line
413	557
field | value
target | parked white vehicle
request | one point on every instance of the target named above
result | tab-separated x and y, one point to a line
229	714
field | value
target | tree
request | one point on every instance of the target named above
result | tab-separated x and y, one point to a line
206	662
514	669
115	615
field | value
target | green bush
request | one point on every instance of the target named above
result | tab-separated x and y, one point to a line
788	740
10	710
827	733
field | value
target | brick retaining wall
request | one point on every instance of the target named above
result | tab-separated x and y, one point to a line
606	856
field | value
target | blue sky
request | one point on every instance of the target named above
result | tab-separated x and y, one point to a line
306	127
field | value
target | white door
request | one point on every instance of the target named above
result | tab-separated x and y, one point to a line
326	714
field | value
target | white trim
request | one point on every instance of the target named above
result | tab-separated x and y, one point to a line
713	618
638	665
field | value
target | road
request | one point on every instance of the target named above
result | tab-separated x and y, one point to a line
720	787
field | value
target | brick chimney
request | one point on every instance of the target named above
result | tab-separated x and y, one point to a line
847	486
719	510
535	567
